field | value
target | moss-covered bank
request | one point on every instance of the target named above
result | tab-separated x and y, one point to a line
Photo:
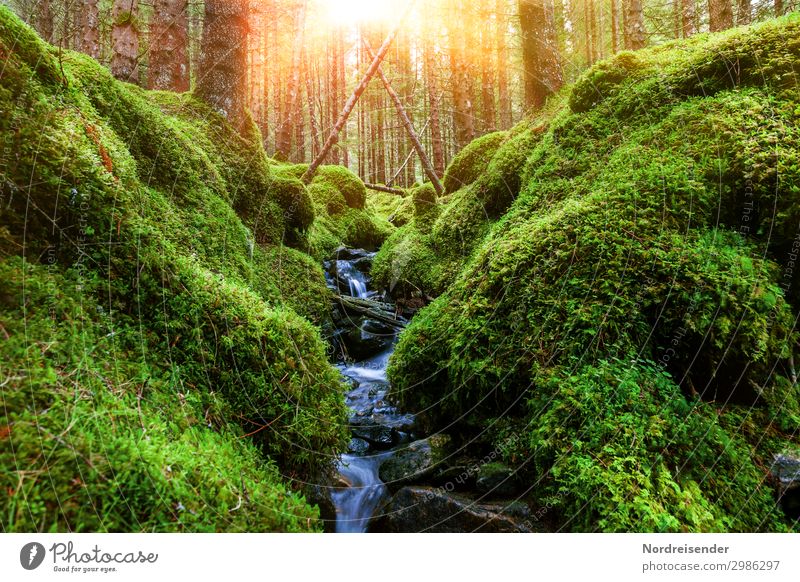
161	366
618	290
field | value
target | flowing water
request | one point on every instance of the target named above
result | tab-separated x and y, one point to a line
377	426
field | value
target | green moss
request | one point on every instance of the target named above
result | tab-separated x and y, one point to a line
346	182
470	162
141	240
626	305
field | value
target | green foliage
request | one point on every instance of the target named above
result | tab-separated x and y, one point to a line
631	314
471	161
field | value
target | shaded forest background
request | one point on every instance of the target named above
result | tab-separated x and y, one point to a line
462	68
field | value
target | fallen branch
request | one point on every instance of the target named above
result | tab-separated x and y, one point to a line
382	312
387	189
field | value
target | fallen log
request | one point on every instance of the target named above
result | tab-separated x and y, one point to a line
383	312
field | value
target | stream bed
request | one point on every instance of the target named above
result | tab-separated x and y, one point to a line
394	478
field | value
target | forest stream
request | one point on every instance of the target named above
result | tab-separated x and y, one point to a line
378	428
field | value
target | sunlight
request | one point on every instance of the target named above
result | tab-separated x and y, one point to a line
344	12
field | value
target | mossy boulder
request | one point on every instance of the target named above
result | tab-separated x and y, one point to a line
142	240
470	162
626	312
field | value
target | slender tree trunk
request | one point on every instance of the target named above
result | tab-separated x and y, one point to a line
312	116
488	108
223	60
169	59
778	7
45	21
635	36
463	113
351	102
409	127
688	17
615	26
434	105
90	39
542	65
720	15
125	41
744	13
503	94
284	139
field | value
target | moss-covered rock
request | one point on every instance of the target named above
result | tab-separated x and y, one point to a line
626	310
143	242
470	162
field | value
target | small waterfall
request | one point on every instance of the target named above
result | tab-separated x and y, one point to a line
356	504
357	288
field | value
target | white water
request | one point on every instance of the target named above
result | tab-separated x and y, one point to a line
356	504
357	288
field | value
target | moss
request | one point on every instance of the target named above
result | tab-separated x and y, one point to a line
397	210
346	182
470	162
630	315
142	237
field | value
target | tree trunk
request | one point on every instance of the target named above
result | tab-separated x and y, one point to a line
125	41
540	57
744	12
720	15
351	102
615	26
284	140
223	60
169	60
778	7
463	112
488	108
90	39
434	105
409	127
635	36
45	21
688	17
503	95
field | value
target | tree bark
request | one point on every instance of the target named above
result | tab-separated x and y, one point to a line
169	59
434	98
90	39
720	15
223	60
284	140
45	21
744	12
125	40
503	95
488	108
351	102
615	26
635	35
463	112
541	62
688	18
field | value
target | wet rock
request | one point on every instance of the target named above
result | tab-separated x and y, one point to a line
346	254
358	446
319	494
785	472
378	328
426	509
497	480
377	435
415	462
361	344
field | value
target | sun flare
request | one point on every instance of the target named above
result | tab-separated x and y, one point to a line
344	12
